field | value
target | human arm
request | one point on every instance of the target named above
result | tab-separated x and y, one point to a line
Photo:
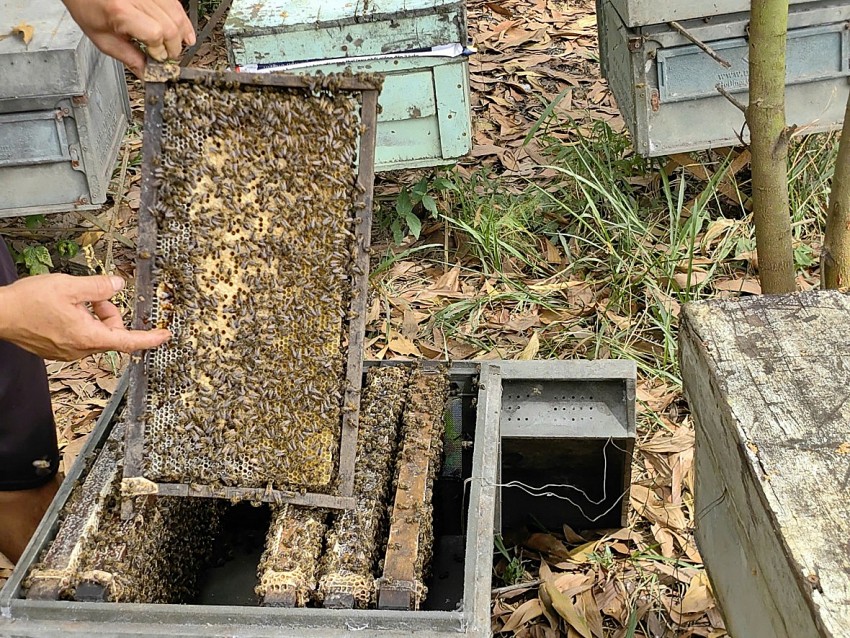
113	25
47	315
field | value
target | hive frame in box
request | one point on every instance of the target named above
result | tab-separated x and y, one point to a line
24	618
156	79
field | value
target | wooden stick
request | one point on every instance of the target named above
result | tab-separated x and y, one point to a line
702	45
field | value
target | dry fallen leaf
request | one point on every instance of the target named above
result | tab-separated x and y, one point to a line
698	599
687	280
547	544
649	505
26	31
404	346
565	608
523	614
530	351
590	609
743	285
495	7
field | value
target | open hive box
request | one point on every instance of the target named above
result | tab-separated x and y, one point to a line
235	565
253	250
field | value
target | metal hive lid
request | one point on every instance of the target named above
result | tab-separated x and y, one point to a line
59	59
299	14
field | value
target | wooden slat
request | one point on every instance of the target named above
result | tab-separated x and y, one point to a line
51	576
357	318
767	379
412	511
282	80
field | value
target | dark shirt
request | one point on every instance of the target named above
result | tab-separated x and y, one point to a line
28	452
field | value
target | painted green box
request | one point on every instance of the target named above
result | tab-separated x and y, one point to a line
418	45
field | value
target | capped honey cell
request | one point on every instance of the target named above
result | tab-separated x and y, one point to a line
289	565
253	197
154	557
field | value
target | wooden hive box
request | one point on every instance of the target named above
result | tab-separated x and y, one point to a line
418	46
767	379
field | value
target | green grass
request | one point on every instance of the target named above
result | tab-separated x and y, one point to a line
630	234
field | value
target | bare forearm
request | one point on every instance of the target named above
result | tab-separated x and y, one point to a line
48	316
116	25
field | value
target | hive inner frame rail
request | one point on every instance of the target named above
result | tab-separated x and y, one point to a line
157	78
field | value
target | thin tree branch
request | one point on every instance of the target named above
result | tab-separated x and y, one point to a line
731	98
702	45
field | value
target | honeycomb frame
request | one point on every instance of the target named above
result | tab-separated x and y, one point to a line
337	493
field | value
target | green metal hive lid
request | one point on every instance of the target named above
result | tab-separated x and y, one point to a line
293	15
59	59
304	30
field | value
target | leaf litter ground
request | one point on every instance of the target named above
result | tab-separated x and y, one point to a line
551	240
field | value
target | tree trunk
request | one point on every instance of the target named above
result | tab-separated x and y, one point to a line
835	260
769	145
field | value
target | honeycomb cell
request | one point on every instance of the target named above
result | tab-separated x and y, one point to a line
253	274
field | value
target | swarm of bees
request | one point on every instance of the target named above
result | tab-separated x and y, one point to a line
347	575
288	567
420	450
157	555
97	556
256	239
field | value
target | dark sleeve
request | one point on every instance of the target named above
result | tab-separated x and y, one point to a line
28	452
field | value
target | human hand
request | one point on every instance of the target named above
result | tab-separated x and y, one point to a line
47	315
161	25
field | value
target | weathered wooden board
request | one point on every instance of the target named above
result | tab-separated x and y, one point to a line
768	380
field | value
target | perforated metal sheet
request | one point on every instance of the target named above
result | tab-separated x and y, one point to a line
254	232
564	408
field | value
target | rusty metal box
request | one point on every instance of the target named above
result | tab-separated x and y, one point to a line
666	86
63	113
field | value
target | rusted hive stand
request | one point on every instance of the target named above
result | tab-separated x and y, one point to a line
767	379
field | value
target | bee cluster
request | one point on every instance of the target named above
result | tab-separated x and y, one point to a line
97	556
253	273
310	556
337	566
288	567
411	533
347	574
428	404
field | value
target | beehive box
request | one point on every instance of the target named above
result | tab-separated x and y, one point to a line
254	231
567	437
425	108
666	87
63	112
463	549
766	379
